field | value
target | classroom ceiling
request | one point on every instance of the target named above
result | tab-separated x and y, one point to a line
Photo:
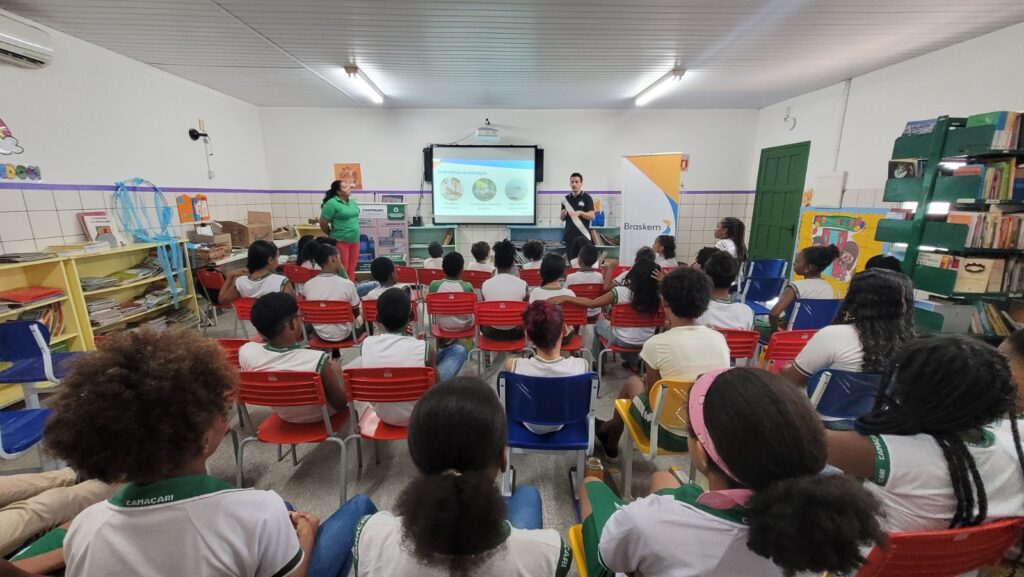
520	53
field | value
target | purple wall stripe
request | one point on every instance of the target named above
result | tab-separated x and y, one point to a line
19	185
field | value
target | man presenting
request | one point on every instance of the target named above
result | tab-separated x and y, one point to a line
577	212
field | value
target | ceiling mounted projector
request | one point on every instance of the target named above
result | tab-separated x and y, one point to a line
488	133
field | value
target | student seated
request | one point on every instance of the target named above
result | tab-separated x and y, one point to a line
329	286
587	273
578	243
943	450
395	349
436	253
305	252
505	286
451	518
533	251
769	511
382	269
722	313
163	403
640	291
665	251
874	320
452	284
552	269
276	317
546	329
362	288
703	255
258	277
809	263
481	251
884	261
643	253
682	353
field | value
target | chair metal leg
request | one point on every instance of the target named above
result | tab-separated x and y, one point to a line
376	451
295	455
234	329
600	369
343	468
508	477
240	461
627	469
577	478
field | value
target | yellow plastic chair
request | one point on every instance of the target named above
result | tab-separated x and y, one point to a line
576	544
669	400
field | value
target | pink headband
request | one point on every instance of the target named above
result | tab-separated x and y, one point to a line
717	499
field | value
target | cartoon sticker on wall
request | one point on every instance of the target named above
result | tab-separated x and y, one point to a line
8	146
853	233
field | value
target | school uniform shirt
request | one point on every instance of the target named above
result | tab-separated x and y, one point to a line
480	266
665	262
375	293
452	322
542	294
574	263
812	288
633	336
685	353
586	277
671	534
331	287
560	367
432	262
390	350
266	357
728	315
249	287
833	347
728	245
912	480
193	525
531	265
380	551
504	287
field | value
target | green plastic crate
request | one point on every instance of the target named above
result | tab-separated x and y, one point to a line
904	190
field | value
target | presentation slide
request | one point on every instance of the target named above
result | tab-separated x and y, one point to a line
484	185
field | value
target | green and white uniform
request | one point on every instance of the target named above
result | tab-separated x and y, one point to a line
380	551
668	534
452	322
912	479
727	315
266	357
249	287
542	294
331	287
194	525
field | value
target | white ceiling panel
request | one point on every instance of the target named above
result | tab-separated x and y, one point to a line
521	53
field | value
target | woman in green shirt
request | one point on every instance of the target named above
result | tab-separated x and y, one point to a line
339	218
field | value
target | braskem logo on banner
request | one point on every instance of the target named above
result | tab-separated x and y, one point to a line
650	200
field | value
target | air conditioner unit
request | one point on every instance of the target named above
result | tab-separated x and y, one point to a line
22	43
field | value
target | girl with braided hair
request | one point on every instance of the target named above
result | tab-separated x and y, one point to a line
942	448
873	322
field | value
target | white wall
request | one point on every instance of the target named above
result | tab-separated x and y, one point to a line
93	116
973	77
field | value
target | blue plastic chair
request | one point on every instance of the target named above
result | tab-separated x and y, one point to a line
767	267
758	290
21	430
842	396
813	314
27	345
566	401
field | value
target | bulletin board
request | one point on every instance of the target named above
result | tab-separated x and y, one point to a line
853	233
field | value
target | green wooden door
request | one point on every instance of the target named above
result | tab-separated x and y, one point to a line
780	188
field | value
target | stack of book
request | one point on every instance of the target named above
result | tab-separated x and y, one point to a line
91	283
51	316
1007	126
27	296
1000	179
103	312
78	248
25	256
999	229
990	320
979	275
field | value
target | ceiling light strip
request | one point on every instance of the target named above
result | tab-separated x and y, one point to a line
660	87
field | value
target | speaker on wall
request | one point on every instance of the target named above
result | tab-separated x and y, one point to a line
428	164
539	165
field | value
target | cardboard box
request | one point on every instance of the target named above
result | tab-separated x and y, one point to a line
212	253
215	235
242	235
284	233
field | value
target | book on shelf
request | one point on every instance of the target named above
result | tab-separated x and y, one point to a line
907	168
98	226
51	316
30	295
915	127
602	239
988	320
449	238
78	248
1007	125
969	170
14	257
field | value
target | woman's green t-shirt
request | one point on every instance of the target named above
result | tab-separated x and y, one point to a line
343	218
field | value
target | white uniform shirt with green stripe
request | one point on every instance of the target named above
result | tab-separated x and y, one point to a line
331	287
812	288
585	277
912	479
635	336
392	351
265	357
381	552
727	315
194	525
251	288
452	322
542	294
671	534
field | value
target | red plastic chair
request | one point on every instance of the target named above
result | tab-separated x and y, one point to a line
243	311
395	385
406	274
624	316
531	276
497	314
298	274
230	348
621	269
429	275
945	553
569	270
211	279
330	313
450	304
291	389
588	291
575	316
477	278
784	347
742	344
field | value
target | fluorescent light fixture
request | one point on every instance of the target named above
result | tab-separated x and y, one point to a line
660	86
369	89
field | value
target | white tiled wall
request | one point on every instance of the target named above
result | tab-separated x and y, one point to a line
699	215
